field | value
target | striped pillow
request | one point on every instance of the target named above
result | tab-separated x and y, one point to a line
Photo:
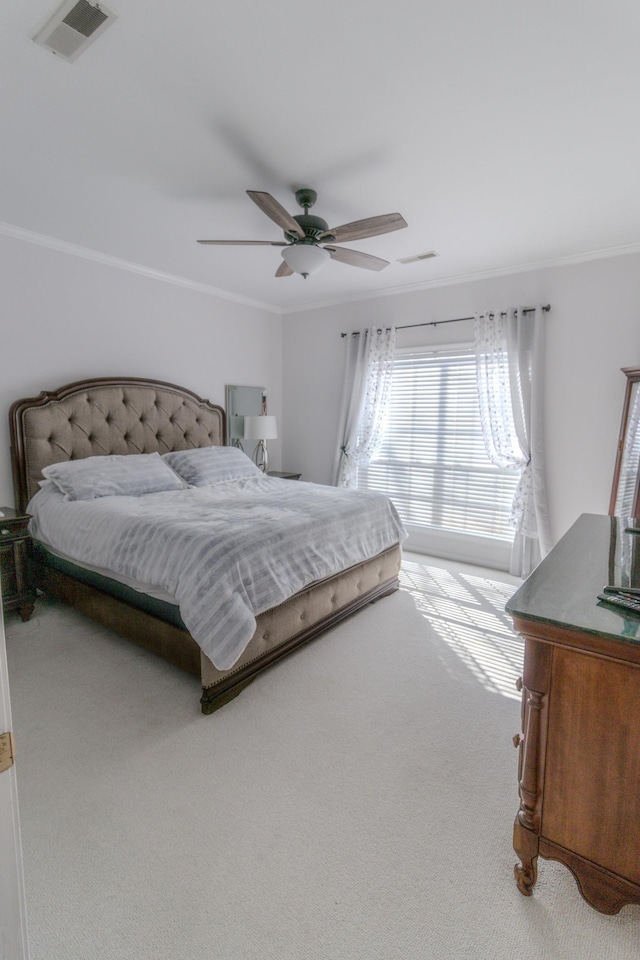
206	465
113	476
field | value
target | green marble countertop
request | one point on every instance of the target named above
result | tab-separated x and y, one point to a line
563	589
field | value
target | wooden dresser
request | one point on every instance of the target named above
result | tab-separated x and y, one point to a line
579	750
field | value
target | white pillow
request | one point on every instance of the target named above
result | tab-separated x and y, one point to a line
206	465
130	475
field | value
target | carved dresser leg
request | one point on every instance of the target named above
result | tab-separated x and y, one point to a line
526	828
526	874
525	844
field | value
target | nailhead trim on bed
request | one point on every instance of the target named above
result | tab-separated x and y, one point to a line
115	420
307	608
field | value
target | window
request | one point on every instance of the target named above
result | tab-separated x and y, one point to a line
433	463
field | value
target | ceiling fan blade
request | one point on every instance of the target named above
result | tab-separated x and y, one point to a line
356	259
284	270
247	243
370	227
276	212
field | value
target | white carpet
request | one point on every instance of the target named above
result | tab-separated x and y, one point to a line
355	803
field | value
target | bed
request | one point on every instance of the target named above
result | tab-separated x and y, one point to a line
118	417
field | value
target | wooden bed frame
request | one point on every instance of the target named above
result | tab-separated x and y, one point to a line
116	415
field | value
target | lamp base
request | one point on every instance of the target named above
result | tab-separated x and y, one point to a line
260	456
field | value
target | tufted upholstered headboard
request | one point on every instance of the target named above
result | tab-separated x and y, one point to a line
102	416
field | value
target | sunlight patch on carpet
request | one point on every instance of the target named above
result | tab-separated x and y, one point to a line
467	613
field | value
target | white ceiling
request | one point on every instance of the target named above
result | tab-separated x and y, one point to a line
506	133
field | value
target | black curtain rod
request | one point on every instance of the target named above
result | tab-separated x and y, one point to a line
437	323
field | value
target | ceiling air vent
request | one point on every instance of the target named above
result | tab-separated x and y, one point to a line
419	256
75	25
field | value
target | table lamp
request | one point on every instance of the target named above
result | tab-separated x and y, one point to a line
261	428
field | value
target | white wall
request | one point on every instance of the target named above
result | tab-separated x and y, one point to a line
65	318
593	329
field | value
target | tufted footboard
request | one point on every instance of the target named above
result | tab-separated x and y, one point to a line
298	620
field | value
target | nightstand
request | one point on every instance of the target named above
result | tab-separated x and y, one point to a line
284	474
17	592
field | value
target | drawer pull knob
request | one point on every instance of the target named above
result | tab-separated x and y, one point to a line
519	684
517	740
5	533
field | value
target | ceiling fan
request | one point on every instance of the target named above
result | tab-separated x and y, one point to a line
309	242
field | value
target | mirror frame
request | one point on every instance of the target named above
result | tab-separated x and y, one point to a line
633	376
242	401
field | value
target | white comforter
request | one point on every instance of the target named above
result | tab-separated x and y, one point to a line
226	552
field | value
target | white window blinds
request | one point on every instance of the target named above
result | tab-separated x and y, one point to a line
433	463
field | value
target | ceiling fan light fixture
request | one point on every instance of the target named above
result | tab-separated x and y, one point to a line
305	258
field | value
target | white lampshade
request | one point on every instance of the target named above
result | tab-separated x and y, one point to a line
305	258
260	428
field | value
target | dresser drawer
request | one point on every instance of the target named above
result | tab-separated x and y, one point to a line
13	529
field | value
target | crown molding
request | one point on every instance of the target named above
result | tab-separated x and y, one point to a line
455	279
86	253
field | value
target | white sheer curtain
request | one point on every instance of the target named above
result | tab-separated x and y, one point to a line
365	396
509	356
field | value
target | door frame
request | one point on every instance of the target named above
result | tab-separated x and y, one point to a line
13	912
